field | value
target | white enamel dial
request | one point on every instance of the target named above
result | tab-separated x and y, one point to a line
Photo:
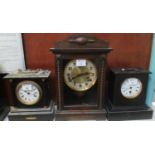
28	92
131	88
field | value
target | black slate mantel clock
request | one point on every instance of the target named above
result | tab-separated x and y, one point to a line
81	71
30	98
127	94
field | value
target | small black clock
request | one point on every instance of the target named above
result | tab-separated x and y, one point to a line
127	94
30	88
30	94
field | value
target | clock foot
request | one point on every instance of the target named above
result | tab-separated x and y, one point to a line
120	113
70	115
4	112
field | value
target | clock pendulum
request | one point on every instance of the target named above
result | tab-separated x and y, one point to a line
127	94
81	65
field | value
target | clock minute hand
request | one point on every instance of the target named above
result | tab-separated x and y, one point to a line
79	75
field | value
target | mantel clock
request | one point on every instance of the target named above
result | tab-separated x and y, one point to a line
81	71
30	97
30	88
127	94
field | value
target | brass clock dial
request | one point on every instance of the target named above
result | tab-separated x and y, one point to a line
80	74
131	88
28	92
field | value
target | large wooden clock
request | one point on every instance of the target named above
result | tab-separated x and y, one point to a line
81	71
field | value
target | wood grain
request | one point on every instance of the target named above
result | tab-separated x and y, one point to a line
129	49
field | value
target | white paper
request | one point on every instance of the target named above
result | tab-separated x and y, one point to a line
11	52
80	62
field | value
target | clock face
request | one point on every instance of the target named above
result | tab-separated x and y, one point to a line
28	92
131	88
80	74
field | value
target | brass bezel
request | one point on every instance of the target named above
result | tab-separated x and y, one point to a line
93	83
28	82
132	97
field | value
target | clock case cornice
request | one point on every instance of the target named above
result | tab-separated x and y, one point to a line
129	71
80	50
81	44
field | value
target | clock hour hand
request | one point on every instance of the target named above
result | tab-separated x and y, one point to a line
82	74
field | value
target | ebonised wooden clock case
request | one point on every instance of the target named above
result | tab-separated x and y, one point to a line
74	104
127	94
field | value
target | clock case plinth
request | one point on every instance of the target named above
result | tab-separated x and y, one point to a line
120	113
35	114
118	107
81	46
68	115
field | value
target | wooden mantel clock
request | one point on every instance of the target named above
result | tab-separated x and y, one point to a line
81	64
